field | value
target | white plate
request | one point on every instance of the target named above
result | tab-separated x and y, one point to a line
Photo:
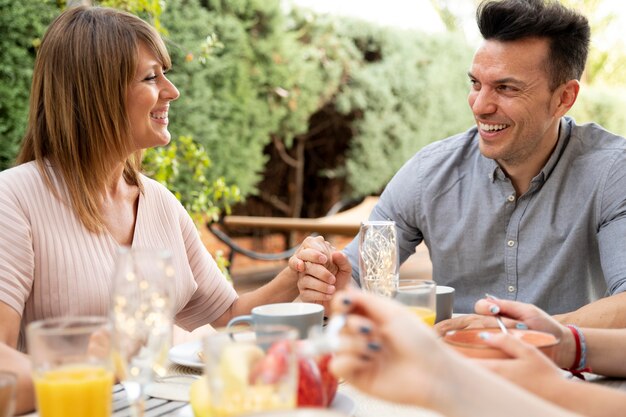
342	404
186	354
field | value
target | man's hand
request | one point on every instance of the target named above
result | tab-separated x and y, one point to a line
322	270
465	321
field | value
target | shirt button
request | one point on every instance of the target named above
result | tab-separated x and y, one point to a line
511	198
511	243
511	288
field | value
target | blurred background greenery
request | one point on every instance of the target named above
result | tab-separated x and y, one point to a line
284	111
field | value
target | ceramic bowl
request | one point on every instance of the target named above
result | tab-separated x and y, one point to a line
469	343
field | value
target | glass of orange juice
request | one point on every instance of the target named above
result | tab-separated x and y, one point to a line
251	369
420	296
72	368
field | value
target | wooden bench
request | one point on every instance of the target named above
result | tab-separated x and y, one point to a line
345	223
336	222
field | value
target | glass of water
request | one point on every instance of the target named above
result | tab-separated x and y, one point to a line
378	257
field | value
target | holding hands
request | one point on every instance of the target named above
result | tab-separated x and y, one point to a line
321	269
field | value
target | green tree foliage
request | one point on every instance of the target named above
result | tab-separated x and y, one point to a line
606	63
182	167
244	79
408	93
22	23
149	10
602	105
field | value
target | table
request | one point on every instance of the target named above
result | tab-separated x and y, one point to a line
366	405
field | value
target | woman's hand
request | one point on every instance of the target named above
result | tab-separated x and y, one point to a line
322	270
387	351
523	315
529	368
519	315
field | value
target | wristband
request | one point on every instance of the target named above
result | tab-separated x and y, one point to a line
580	358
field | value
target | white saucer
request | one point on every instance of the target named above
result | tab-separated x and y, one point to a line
186	354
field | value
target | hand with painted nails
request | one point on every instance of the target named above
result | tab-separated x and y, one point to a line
528	316
528	368
514	315
388	352
382	345
321	269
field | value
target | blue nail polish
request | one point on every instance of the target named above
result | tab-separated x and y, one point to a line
494	309
346	301
365	329
373	346
484	335
521	326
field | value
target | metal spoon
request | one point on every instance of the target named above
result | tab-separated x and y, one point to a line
498	318
501	324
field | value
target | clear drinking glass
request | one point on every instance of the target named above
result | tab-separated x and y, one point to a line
8	388
142	318
379	257
420	296
251	370
72	368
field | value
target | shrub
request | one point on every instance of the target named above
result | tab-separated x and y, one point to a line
22	23
602	105
409	95
244	79
181	167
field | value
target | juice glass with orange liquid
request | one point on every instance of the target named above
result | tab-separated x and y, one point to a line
72	368
420	296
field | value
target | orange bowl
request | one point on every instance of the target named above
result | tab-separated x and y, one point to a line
469	343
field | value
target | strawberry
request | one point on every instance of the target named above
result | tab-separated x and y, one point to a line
329	381
311	393
274	365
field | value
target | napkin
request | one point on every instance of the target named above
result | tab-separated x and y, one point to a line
173	388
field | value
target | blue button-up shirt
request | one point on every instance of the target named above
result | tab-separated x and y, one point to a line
560	245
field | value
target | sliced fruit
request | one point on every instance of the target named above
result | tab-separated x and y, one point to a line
236	364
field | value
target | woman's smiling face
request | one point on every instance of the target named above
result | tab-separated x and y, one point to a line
148	100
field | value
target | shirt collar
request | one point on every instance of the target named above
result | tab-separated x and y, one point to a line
565	128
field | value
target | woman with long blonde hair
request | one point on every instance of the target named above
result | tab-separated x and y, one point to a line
100	95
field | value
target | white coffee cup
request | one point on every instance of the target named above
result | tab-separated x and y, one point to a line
301	316
445	303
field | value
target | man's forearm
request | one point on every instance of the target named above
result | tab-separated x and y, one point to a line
608	312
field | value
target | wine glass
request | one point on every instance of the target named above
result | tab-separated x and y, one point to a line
142	319
378	257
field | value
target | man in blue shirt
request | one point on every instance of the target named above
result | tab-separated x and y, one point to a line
526	205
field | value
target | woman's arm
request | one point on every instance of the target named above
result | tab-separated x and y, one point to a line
308	269
606	351
14	361
533	371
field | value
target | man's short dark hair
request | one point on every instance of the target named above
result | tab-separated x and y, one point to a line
567	32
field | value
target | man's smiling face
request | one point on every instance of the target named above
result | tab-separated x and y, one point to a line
512	103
